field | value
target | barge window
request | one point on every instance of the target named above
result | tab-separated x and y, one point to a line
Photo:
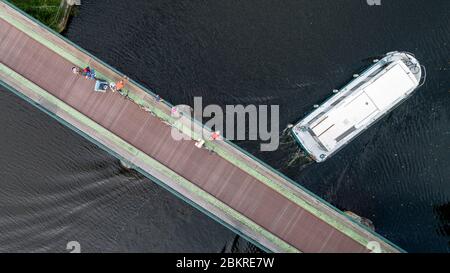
377	71
358	85
346	133
320	115
338	101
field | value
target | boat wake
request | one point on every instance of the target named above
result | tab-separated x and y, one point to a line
297	157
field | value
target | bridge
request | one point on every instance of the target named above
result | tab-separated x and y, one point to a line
221	180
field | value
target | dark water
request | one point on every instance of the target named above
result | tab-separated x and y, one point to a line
57	187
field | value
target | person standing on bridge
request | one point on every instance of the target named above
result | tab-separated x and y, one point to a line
76	70
120	84
88	73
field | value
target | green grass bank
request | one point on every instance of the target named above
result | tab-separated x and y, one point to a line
53	13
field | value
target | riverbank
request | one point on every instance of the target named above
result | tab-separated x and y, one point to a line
53	13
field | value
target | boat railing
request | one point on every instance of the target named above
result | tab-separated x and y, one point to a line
424	76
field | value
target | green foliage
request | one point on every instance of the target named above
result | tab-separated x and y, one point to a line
46	11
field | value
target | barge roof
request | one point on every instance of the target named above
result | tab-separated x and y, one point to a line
358	105
357	110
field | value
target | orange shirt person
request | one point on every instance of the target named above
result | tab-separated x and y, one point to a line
120	84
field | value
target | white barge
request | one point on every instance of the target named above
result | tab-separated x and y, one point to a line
358	105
